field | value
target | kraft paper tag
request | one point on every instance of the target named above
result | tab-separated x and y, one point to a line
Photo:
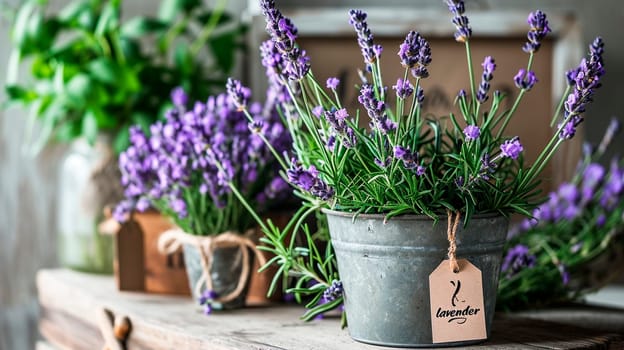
457	311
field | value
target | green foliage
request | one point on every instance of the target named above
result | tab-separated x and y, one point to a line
93	71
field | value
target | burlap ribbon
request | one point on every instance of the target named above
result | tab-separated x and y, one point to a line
172	240
453	222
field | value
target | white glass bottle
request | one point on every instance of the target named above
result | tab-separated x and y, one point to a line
89	181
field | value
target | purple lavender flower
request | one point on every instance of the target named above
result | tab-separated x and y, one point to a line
383	164
317	111
525	80
613	186
122	210
238	93
309	181
601	220
459	181
568	192
487	167
571	76
420	170
415	54
333	292
179	207
277	188
332	83
370	51
376	110
517	259
284	33
488	73
586	78
463	30
569	129
275	67
612	130
461	94
331	142
538	30
256	126
337	119
420	95
409	159
565	274
472	132
179	97
404	88
592	176
512	148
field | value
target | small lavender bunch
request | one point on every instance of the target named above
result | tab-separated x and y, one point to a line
552	256
183	167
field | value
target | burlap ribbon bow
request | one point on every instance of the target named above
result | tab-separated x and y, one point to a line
172	240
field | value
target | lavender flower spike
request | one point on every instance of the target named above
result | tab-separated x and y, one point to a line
309	181
517	258
472	132
525	80
512	148
457	8
376	110
538	30
586	78
365	38
238	93
415	53
404	88
488	73
284	33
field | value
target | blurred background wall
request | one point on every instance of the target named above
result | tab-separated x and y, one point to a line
28	184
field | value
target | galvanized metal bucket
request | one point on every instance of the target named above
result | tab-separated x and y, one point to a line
227	264
385	271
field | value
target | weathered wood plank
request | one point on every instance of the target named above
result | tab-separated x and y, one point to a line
70	299
44	345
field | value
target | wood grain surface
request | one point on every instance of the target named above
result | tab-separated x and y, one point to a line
69	301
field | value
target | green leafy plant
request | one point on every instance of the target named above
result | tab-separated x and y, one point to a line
92	71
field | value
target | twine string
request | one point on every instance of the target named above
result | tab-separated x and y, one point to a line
172	240
453	223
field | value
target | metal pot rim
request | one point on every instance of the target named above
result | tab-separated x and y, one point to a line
400	217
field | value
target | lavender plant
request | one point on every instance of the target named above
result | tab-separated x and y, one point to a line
404	163
174	169
547	254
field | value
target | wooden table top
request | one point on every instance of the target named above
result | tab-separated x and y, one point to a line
69	301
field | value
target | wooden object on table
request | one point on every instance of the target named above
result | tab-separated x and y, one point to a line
139	266
69	301
128	264
260	282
